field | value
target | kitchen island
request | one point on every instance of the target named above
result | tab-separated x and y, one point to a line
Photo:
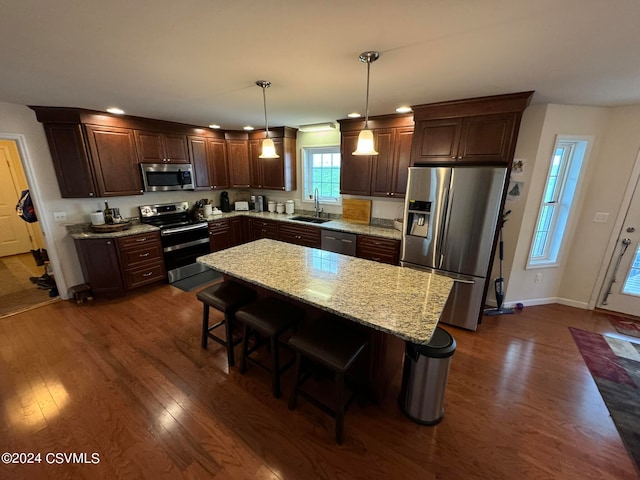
399	301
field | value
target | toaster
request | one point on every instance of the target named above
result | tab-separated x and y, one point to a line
242	206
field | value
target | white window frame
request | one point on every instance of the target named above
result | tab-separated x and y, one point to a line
563	200
307	193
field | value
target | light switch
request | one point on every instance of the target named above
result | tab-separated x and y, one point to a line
601	217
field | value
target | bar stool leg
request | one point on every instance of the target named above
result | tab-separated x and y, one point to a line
275	369
205	326
245	348
339	408
229	332
296	379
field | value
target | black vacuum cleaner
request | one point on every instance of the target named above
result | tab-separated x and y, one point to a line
499	282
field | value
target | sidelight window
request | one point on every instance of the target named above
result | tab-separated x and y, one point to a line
557	201
322	171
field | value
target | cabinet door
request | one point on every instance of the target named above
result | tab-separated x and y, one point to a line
402	160
70	160
219	235
100	266
238	157
198	153
487	138
175	148
149	147
273	169
255	163
355	170
114	160
217	162
263	229
436	141
239	230
383	163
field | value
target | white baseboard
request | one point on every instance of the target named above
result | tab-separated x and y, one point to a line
545	301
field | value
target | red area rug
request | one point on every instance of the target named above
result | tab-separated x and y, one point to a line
625	326
614	364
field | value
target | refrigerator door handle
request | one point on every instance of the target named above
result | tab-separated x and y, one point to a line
444	227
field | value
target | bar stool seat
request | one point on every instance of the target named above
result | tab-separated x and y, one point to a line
336	347
269	318
226	297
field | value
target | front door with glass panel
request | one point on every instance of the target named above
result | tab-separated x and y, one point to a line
623	294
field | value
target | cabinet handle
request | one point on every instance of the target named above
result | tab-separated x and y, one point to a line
147	274
329	238
143	239
347	241
108	243
392	194
91	194
377	243
142	255
377	259
298	237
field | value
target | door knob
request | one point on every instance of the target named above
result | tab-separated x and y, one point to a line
631	229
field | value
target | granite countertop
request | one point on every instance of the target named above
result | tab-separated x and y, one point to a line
396	300
83	231
332	224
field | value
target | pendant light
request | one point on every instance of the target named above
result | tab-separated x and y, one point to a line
268	147
365	139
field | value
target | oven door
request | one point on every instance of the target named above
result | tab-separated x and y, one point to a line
181	247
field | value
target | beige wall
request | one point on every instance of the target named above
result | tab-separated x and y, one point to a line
578	277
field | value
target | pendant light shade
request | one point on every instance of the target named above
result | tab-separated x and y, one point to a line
365	139
268	147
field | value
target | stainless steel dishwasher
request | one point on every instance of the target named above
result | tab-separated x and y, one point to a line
339	242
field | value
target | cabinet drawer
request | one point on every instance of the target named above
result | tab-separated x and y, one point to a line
135	241
264	229
219	226
306	236
147	253
379	249
144	274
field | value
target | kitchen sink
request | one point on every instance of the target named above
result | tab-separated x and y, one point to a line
310	219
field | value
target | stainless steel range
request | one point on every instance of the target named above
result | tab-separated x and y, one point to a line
183	239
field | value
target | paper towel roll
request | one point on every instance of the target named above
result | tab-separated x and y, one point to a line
97	218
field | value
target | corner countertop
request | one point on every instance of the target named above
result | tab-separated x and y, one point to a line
400	301
83	230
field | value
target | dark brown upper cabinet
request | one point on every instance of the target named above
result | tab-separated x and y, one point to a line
274	173
237	145
475	131
155	147
382	175
209	160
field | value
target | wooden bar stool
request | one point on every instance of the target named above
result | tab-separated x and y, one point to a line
269	318
336	347
226	297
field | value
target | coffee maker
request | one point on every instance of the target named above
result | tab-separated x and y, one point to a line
224	202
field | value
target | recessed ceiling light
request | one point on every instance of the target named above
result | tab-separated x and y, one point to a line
353	115
248	127
213	125
404	109
115	110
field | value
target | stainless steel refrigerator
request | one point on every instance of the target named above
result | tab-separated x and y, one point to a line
450	220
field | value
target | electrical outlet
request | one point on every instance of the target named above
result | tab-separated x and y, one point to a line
601	217
59	216
538	277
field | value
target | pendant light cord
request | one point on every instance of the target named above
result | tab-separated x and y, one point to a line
366	113
264	101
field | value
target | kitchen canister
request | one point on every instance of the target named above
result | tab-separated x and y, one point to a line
280	207
208	210
271	206
97	218
289	207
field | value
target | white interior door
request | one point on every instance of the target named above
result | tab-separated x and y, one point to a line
623	294
14	232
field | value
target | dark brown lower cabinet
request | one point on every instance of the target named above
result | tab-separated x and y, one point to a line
112	266
239	230
300	235
263	229
219	235
379	249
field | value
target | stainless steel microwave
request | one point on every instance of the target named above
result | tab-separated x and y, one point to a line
162	177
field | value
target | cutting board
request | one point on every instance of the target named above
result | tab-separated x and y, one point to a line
356	211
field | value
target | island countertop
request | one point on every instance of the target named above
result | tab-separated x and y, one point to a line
400	301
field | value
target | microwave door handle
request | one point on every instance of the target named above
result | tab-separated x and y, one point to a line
181	178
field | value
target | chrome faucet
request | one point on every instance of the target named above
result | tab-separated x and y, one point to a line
316	203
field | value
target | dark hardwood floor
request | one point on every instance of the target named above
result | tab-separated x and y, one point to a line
126	379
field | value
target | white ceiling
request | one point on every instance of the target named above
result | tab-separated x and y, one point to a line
196	61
